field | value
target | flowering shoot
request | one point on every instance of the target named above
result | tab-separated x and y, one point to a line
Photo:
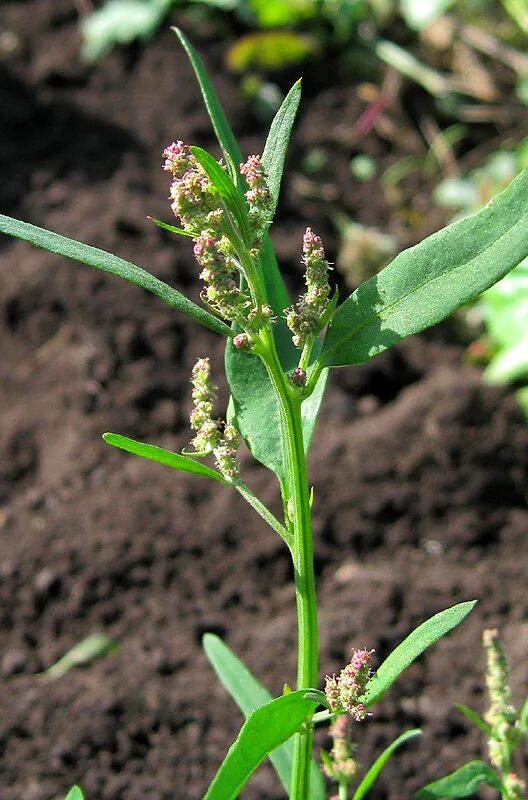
344	692
305	318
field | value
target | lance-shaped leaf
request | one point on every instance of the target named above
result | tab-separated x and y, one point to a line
462	783
226	188
93	647
424	636
75	793
277	142
107	262
224	134
171	228
161	456
249	694
277	295
523	717
373	773
474	718
426	283
263	731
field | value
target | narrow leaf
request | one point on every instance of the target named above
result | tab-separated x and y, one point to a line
426	283
373	773
523	718
107	262
161	456
474	718
277	295
249	694
95	646
224	134
75	793
264	730
462	783
424	636
276	145
170	228
226	188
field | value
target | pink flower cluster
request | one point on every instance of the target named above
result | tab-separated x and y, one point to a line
344	692
304	318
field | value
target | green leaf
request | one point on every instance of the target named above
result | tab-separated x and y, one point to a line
424	636
264	730
474	718
373	773
277	295
223	132
257	411
276	145
523	717
226	188
510	364
462	783
120	22
75	793
249	694
426	283
95	646
107	262
161	456
170	228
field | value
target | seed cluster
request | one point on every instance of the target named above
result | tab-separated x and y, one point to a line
344	766
203	213
344	692
210	438
258	197
304	318
199	206
501	716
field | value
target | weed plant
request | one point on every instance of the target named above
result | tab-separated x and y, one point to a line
277	359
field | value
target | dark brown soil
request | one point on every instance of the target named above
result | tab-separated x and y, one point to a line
420	471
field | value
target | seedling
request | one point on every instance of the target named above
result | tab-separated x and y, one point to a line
505	729
278	356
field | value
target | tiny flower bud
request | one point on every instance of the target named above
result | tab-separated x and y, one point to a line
242	341
298	377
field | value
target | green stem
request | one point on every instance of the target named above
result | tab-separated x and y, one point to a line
302	553
342	793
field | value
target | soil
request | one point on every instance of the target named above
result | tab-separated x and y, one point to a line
420	470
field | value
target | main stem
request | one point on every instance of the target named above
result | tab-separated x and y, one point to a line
302	553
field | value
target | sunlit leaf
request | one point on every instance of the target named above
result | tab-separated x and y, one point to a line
277	142
420	639
161	456
95	646
107	262
462	783
75	793
249	694
263	731
474	718
426	283
373	773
